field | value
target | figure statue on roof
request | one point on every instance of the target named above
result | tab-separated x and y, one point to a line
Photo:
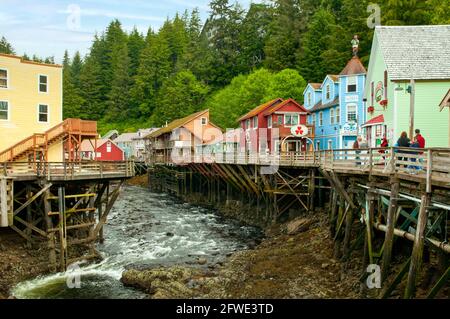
355	45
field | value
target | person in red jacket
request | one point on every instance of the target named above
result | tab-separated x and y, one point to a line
419	138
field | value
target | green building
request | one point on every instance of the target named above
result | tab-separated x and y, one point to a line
401	54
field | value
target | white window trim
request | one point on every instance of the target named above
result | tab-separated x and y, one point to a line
253	122
320	118
39	84
291	114
247	124
356	111
206	121
332	118
310	98
48	113
7	79
326	89
356	82
9	111
269	121
330	143
313	119
338	114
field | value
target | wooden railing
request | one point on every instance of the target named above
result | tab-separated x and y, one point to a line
35	141
68	170
431	164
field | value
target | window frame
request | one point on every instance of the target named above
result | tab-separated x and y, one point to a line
205	122
47	84
356	112
7	79
313	119
328	92
355	84
332	116
255	122
291	115
39	113
269	121
309	98
8	111
321	118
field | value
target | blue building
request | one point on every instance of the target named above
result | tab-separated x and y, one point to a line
337	107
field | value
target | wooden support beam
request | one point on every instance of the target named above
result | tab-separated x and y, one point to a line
439	284
32	199
417	253
390	223
398	278
109	206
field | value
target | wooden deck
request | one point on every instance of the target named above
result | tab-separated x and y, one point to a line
66	171
428	166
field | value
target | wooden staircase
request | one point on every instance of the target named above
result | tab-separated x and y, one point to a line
38	144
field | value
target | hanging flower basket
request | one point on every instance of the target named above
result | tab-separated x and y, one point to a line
370	109
384	103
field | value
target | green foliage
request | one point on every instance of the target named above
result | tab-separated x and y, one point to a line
246	92
6	47
179	96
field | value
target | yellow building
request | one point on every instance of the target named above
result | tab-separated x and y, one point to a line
30	103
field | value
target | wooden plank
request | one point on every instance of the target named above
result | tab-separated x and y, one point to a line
32	199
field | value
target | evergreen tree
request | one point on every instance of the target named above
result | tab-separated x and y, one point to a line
284	35
119	96
6	47
441	11
136	44
75	69
154	69
406	12
73	102
179	96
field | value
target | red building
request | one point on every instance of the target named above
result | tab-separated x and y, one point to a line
260	123
106	150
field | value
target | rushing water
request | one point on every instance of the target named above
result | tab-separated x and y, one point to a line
146	230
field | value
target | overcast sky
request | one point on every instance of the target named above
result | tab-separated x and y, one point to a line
48	27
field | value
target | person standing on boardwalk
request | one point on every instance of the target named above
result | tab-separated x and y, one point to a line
404	142
356	147
419	138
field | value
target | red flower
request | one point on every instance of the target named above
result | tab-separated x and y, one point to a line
370	109
384	102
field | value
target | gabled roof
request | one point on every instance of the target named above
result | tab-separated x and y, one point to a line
260	109
333	77
88	145
125	137
176	124
319	106
353	67
314	86
445	101
276	107
419	52
376	120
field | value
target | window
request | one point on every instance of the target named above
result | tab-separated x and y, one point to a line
204	121
269	121
313	121
351	113
4	111
43	113
328	92
108	147
247	124
255	122
43	83
309	99
291	119
331	116
318	146
280	119
3	78
338	115
330	144
351	84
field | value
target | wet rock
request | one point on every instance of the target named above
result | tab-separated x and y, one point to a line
202	261
298	225
169	234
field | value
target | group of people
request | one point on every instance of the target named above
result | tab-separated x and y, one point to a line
418	141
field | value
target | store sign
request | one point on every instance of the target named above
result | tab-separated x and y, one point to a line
379	92
349	129
299	130
351	98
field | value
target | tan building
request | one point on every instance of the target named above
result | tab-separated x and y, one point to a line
181	140
31	113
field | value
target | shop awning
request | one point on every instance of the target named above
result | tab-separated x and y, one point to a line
375	121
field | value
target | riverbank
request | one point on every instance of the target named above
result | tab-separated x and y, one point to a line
300	265
17	262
